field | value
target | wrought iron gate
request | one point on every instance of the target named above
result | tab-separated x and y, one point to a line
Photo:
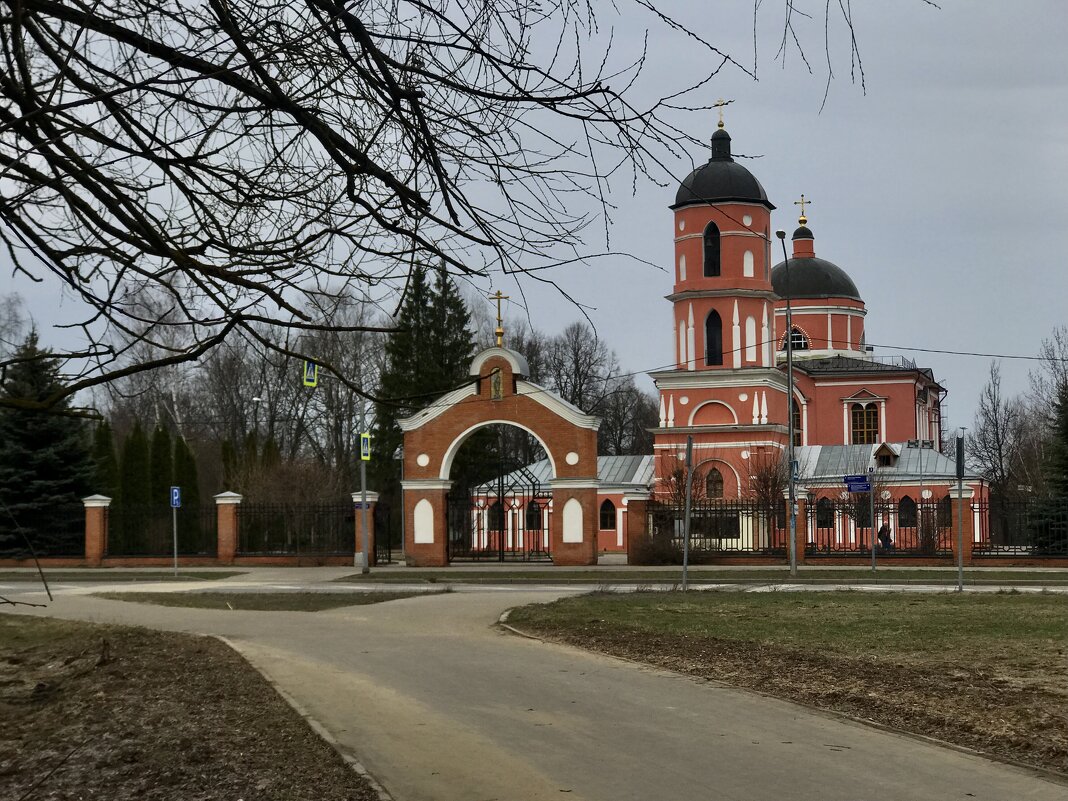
506	519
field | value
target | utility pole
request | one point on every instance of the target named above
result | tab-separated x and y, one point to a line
792	544
960	510
365	455
686	513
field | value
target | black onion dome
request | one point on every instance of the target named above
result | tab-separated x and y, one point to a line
813	277
804	232
720	180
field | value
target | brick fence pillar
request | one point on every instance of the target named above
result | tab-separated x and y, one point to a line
967	519
96	528
372	502
226	507
573	528
637	509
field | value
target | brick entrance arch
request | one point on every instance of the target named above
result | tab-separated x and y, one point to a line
499	393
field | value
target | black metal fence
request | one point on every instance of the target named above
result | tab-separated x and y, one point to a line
1026	527
844	527
482	529
149	531
321	529
56	531
387	540
722	528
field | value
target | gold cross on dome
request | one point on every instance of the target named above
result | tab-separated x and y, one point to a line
500	322
720	104
803	220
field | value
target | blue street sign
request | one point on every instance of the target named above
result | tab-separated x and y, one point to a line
858	486
854	479
360	505
176	497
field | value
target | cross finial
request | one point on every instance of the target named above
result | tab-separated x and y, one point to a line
720	104
497	296
803	220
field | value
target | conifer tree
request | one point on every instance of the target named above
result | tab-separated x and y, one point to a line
135	488
1058	446
189	520
428	355
161	467
105	461
45	463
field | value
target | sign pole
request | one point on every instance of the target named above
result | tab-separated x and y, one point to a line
686	519
176	501
960	511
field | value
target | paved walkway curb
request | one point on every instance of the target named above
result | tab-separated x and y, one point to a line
316	726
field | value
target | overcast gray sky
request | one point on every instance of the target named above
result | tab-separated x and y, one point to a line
942	191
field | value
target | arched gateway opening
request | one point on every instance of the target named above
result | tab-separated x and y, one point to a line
500	501
470	491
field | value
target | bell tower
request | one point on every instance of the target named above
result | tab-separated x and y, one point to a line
725	389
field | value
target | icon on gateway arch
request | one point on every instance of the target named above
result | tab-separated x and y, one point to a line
500	469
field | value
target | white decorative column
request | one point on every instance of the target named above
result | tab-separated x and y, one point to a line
671	412
691	350
765	339
764	408
736	337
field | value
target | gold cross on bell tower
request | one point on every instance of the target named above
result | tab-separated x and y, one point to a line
500	322
720	104
803	220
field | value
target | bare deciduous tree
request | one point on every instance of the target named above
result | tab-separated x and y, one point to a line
239	159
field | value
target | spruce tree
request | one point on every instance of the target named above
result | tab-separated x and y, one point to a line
45	463
429	354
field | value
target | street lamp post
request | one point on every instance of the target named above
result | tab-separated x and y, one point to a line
792	545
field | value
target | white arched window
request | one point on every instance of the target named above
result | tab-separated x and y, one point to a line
682	267
747	264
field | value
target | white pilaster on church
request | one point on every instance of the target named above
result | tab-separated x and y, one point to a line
663	414
764	408
736	337
845	424
671	412
756	409
691	354
882	421
849	332
682	344
830	334
765	339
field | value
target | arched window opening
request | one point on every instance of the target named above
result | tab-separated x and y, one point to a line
713	338
865	419
608	515
795	410
496	516
824	513
906	513
714	483
798	340
711	250
747	264
533	515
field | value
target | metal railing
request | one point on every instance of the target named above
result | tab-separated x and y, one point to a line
149	531
723	527
843	527
322	529
1035	528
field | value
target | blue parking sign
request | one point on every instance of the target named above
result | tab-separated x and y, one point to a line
176	497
